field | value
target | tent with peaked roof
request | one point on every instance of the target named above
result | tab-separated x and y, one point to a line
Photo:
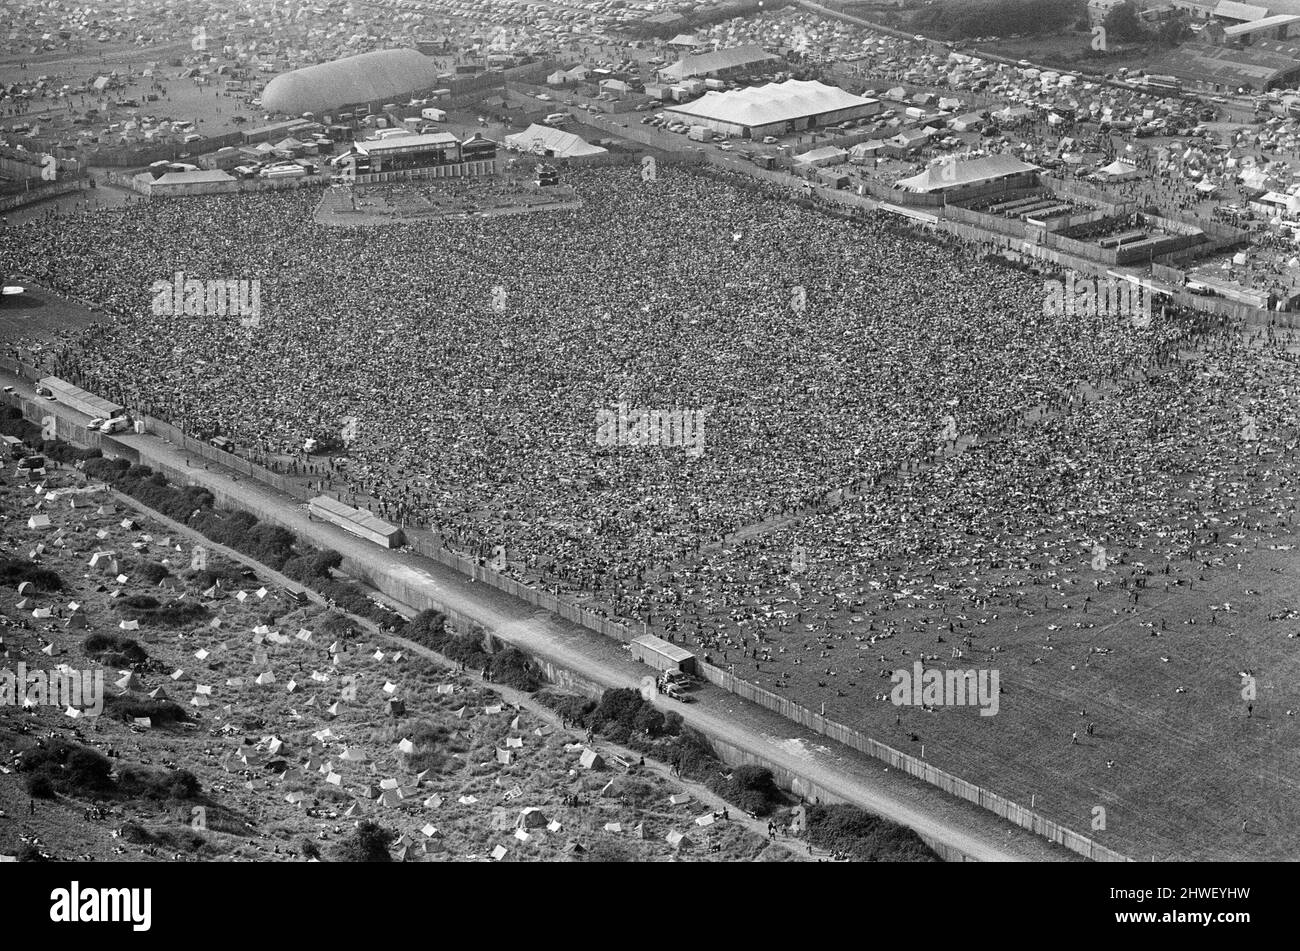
531	817
1119	171
550	141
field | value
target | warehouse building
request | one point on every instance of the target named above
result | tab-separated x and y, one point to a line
775	109
1229	69
1284	26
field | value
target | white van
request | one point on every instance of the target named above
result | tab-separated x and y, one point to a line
556	118
118	424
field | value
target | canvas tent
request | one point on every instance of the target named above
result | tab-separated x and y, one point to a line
1119	171
555	143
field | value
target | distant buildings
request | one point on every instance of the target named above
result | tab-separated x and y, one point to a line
1200	67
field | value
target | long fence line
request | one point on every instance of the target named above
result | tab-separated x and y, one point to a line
920	769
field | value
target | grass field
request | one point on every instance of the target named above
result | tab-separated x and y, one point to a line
1177	760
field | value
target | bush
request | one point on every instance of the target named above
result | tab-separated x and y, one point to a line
135	833
148	610
864	837
433	747
146	782
106	470
14	571
368	842
88	771
160	712
68	768
323	561
693	756
66	452
184	839
752	788
114	651
427	624
512	668
572	707
40	786
152	572
619	711
308	849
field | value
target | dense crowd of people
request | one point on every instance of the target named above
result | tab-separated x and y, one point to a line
476	358
906	456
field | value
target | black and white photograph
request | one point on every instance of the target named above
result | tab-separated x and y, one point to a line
651	431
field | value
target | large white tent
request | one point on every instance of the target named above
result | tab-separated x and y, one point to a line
547	140
774	108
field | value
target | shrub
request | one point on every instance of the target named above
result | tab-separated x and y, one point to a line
617	708
148	610
433	747
308	849
14	571
864	837
323	561
427	624
66	452
752	788
159	712
570	706
135	833
107	470
152	572
146	782
512	668
693	756
40	786
70	768
368	842
88	771
114	651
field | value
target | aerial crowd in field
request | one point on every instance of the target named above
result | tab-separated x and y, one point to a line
887	419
